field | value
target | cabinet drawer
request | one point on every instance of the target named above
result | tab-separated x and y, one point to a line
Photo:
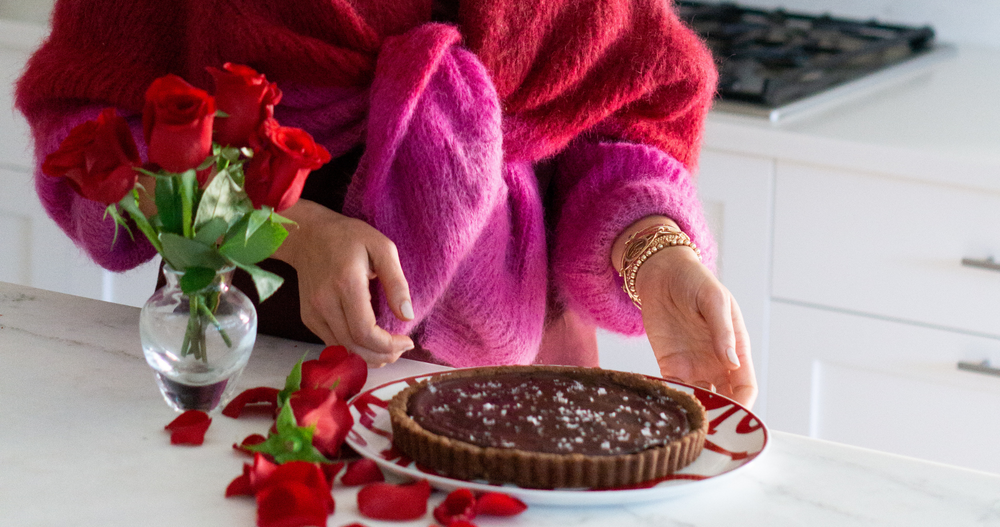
884	385
887	247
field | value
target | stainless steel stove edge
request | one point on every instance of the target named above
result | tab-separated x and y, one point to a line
859	88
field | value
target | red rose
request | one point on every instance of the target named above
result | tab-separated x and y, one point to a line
97	159
282	159
246	98
177	123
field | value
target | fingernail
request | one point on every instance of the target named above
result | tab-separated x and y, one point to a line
406	308
731	353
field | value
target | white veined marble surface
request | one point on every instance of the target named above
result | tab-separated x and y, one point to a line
81	444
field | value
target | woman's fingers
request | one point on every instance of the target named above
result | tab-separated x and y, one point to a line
743	380
385	263
718	314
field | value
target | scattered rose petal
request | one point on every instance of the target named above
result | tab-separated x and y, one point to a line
300	472
290	504
459	505
263	395
240	486
386	501
499	504
252	439
362	472
189	428
460	523
328	413
337	369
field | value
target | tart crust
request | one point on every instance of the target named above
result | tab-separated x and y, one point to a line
461	460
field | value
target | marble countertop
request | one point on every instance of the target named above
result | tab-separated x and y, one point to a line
81	443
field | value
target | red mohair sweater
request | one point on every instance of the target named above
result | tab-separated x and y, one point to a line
626	69
626	78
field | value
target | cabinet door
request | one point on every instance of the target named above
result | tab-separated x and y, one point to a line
736	192
883	385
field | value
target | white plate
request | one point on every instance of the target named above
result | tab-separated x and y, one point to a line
735	437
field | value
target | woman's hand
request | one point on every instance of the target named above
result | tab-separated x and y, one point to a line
693	323
335	258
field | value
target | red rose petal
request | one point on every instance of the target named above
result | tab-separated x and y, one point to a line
460	523
240	486
290	504
385	501
189	428
459	505
262	395
362	472
328	413
499	504
338	369
252	439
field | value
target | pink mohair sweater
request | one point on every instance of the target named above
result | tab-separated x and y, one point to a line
452	131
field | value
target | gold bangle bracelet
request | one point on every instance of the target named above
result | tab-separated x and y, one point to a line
643	244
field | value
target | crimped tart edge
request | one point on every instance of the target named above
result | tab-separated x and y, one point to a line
461	460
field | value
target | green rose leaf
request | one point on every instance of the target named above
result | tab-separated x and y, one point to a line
292	383
189	195
210	232
246	248
130	205
182	253
266	282
221	199
291	442
168	204
195	279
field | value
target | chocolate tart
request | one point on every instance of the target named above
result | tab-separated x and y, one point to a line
548	426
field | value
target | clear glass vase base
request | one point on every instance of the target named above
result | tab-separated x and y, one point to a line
206	397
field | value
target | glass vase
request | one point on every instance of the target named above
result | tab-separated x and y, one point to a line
197	344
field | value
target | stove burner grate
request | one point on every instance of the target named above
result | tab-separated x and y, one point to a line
772	58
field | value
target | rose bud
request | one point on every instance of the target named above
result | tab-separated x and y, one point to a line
283	158
97	159
177	123
247	99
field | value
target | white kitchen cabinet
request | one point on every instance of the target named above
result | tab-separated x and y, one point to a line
873	310
882	384
736	191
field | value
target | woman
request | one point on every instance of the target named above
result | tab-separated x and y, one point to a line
492	166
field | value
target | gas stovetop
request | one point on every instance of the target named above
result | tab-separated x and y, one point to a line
774	63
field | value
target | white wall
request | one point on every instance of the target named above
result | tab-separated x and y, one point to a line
36	11
965	21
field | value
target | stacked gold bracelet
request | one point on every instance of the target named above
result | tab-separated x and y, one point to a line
643	244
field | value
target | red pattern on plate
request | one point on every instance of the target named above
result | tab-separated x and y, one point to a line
735	437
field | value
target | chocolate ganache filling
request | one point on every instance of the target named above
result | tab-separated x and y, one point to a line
549	413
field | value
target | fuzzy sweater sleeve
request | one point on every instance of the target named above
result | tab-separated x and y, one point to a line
85	221
611	186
